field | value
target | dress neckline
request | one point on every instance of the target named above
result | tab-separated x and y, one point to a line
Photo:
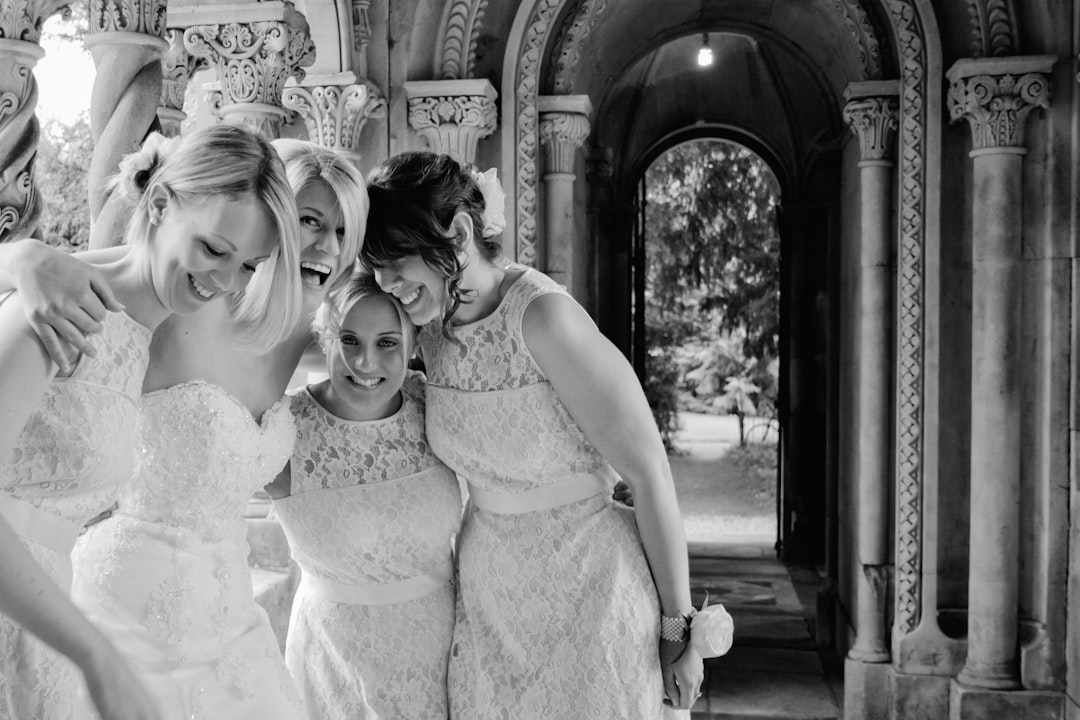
502	301
323	409
260	424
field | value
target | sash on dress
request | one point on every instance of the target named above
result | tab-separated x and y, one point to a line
566	490
402	591
39	526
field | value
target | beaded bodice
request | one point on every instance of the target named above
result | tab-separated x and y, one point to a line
78	445
202	455
370	503
492	415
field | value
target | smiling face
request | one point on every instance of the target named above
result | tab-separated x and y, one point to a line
321	231
367	362
202	250
420	288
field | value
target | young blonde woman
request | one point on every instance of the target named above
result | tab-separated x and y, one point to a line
168	571
568	606
200	230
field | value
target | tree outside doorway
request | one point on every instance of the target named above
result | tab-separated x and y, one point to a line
712	314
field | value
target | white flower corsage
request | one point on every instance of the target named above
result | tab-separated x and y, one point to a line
494	202
711	630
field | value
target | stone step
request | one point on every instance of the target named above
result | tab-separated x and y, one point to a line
273	590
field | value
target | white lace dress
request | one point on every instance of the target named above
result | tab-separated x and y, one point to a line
66	468
557	614
167	577
371	511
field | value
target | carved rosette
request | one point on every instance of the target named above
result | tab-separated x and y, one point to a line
253	61
176	69
454	124
562	133
997	105
335	114
874	120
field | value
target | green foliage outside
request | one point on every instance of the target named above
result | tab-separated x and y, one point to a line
713	283
61	168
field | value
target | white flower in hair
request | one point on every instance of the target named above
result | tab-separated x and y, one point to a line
494	202
135	167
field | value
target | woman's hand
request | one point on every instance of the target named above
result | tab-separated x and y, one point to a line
116	692
683	673
64	299
621	493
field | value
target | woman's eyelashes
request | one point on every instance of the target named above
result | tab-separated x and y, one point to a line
311	222
212	251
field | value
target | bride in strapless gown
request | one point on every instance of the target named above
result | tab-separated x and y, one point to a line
166	577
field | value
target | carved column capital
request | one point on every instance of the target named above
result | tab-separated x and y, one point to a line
22	19
996	95
564	127
176	68
335	109
140	17
453	115
872	111
253	60
361	28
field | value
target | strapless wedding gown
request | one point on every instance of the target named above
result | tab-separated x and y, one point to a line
167	577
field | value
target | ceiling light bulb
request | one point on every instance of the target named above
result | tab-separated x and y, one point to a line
704	57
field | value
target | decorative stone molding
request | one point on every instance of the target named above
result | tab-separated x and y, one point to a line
564	126
996	95
22	19
575	31
144	17
872	112
176	69
20	204
993	33
253	60
862	31
453	115
361	34
460	31
335	109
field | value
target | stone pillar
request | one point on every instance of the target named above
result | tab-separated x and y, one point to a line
20	31
872	113
176	69
335	109
564	127
127	42
254	56
453	115
995	95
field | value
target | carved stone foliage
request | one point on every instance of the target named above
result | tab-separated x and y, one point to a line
562	133
993	33
22	19
459	36
19	200
996	106
454	124
361	25
253	61
146	17
874	121
176	68
335	114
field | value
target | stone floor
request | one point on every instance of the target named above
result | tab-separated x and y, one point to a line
774	671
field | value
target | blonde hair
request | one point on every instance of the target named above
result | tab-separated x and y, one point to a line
326	325
305	163
231	161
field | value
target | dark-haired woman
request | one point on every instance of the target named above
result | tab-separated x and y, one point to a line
561	593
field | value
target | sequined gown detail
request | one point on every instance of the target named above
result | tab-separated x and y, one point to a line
69	461
370	504
167	576
557	614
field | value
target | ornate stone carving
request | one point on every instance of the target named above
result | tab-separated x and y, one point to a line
361	25
562	133
20	203
996	105
862	30
874	121
335	114
253	61
146	17
453	115
176	69
459	37
993	32
575	31
22	19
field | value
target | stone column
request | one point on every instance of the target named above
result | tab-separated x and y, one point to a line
335	109
564	127
872	113
176	69
127	42
453	116
20	31
254	56
995	95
